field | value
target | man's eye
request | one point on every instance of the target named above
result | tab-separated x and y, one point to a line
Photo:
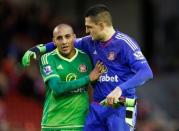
68	36
88	27
59	38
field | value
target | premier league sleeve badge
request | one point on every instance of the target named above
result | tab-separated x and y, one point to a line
47	70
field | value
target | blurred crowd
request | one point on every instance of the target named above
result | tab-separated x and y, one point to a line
23	25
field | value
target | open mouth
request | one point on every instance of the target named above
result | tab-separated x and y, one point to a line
65	48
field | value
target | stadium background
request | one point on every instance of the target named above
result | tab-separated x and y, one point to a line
24	23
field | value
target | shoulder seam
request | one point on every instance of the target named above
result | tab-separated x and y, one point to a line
81	51
127	40
44	59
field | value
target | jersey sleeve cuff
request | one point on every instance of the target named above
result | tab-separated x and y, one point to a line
87	78
122	87
49	77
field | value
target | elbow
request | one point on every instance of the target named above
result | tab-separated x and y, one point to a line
54	86
54	89
149	74
146	73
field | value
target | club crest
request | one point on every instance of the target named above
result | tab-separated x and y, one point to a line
82	68
111	55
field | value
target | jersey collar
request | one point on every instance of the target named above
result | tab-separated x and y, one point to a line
106	43
66	59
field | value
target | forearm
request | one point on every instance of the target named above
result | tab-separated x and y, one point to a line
49	46
142	75
60	87
41	49
38	49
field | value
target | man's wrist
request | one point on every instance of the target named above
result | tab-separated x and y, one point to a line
88	78
118	87
35	49
41	48
121	87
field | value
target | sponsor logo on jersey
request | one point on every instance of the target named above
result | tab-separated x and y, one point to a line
71	76
107	78
138	55
60	67
111	55
47	70
79	90
104	69
82	68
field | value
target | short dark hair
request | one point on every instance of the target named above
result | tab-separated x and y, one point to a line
99	13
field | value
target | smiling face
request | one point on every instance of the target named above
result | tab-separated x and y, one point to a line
63	38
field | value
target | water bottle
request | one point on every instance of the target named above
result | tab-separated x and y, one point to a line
122	101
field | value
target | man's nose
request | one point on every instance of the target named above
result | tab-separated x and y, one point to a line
64	41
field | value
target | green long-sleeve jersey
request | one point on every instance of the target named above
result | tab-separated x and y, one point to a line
66	109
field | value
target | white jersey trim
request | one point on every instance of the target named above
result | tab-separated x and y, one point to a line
128	40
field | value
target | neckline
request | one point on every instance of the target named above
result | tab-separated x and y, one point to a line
66	59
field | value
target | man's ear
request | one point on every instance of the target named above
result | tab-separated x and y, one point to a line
101	24
74	36
53	39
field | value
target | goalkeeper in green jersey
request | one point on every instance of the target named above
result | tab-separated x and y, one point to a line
66	72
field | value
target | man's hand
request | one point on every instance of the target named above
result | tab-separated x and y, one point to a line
34	53
27	56
114	95
97	71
